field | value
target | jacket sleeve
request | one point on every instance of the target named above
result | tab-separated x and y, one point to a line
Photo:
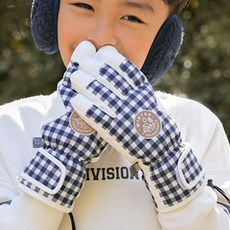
205	133
18	210
201	213
26	213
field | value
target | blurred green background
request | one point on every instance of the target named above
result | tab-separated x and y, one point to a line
201	70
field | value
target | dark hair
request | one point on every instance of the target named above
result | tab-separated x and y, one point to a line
177	5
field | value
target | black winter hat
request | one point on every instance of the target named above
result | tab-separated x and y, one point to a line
166	45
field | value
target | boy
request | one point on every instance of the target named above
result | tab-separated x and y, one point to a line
104	119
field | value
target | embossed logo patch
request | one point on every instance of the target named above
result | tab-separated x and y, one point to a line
147	124
79	125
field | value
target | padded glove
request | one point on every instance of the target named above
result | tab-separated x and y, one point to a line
57	172
115	99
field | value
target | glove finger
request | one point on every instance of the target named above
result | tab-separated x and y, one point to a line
94	91
127	70
106	75
84	49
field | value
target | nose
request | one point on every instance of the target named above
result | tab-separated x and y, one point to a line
103	33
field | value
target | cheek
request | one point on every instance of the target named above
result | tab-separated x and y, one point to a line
137	49
64	40
69	36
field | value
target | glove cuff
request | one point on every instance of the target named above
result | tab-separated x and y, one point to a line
174	181
50	181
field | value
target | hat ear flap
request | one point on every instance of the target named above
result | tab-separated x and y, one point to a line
164	49
44	14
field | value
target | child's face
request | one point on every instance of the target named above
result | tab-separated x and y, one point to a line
128	25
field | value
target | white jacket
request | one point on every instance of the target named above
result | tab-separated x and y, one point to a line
111	198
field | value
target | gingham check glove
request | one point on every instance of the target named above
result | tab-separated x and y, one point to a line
116	100
57	172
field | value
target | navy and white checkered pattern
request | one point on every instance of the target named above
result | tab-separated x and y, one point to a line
160	153
163	175
113	77
72	149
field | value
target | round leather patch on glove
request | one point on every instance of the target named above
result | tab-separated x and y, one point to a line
79	125
147	124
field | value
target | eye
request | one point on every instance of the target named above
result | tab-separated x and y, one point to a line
84	6
132	18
